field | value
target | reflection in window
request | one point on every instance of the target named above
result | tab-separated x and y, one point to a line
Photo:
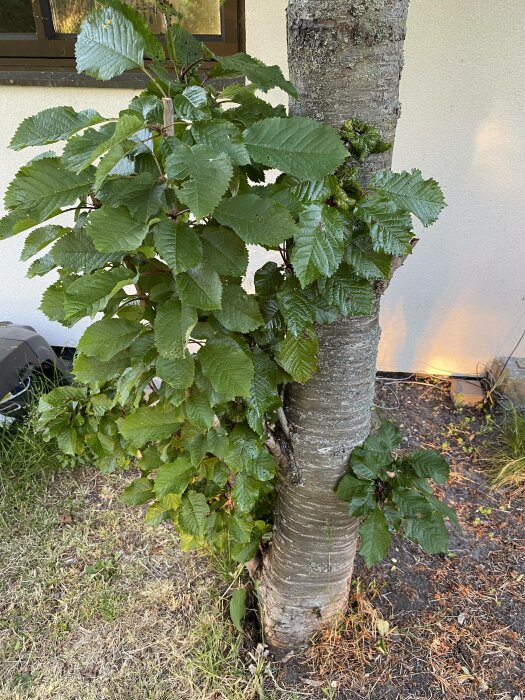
16	17
200	16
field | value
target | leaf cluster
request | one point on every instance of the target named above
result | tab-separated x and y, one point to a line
392	493
182	370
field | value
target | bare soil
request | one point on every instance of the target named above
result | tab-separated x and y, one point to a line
456	622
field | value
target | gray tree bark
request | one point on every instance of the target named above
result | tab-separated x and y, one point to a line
345	59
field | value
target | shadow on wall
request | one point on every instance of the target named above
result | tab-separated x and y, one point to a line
461	298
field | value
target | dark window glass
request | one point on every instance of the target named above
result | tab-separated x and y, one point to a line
200	16
16	17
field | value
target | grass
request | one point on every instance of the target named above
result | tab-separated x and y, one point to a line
94	604
508	458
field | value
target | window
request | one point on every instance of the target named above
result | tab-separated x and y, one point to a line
37	37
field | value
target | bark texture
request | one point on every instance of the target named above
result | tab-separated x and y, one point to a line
345	59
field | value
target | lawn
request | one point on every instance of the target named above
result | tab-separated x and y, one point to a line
96	604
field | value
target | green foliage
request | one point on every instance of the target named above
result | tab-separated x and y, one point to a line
391	493
183	372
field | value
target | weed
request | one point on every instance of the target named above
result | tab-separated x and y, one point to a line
508	459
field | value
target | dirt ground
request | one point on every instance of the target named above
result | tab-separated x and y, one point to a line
456	622
94	604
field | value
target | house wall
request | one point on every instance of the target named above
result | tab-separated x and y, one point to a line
460	299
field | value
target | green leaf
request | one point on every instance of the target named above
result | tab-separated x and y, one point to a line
45	185
90	370
238	607
319	244
173	325
299	146
178	373
187	48
387	435
41	266
429	464
192	514
224	251
138	492
149	423
411	503
152	46
366	261
173	477
375	537
443	509
198	410
209	176
359	494
52	302
408	190
178	245
89	294
16	221
40	238
222	135
192	104
107	45
107	337
361	298
298	356
128	123
142	194
240	311
51	125
431	534
263	469
200	287
264	395
245	492
113	230
264	77
296	308
390	227
256	220
76	252
227	366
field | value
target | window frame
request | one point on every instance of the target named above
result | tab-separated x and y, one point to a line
46	58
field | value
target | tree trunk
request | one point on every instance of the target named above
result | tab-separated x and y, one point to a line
345	59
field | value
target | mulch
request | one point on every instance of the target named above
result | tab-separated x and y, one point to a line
447	626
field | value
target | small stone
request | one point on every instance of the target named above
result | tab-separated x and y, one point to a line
466	392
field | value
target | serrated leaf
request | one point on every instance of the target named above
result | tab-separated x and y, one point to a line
429	464
375	537
198	410
217	442
89	294
264	77
298	356
75	251
390	227
107	45
107	337
319	244
45	185
222	135
51	125
366	261
138	492
240	312
408	190
52	302
264	396
79	148
90	370
296	308
173	325
410	503
173	477
178	245
238	607
224	251
245	492
178	373
149	423
113	230
192	513
430	533
152	46
263	468
142	194
209	173
192	104
256	220
187	48
40	238
200	287
299	146
228	367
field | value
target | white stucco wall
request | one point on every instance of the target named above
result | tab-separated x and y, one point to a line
460	299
